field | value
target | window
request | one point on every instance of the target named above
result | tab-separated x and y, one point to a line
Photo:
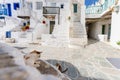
75	8
62	6
39	5
103	29
53	4
30	5
3	6
16	6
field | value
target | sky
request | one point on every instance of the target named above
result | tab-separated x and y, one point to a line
89	2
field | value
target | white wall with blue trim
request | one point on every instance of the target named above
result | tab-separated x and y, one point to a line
9	7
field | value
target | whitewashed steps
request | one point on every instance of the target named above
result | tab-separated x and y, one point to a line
78	34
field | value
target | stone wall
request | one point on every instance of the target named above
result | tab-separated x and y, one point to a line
12	67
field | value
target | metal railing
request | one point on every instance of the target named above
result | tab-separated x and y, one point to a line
101	8
94	10
51	10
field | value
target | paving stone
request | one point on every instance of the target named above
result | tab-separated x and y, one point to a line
83	72
105	64
99	59
83	78
76	56
99	75
88	63
115	78
91	59
111	71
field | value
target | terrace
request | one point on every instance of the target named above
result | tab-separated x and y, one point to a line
99	10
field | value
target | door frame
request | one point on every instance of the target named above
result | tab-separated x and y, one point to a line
50	31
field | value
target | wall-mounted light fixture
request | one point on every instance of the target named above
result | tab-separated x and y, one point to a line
117	8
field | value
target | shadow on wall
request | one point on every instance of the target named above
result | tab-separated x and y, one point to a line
72	71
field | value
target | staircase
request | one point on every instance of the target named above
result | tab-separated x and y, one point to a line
78	34
60	34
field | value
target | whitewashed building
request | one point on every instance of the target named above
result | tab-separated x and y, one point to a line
98	20
55	22
8	16
102	21
115	33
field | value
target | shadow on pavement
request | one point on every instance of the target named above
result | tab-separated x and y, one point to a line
92	41
72	71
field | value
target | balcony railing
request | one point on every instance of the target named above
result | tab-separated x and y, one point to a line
51	10
94	10
101	8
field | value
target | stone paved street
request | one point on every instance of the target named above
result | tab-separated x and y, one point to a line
87	63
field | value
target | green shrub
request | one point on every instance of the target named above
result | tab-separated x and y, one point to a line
118	42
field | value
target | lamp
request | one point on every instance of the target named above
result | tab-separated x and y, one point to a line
117	8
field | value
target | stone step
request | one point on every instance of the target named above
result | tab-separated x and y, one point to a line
77	36
77	28
78	31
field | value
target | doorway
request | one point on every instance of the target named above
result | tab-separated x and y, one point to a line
103	29
109	31
52	24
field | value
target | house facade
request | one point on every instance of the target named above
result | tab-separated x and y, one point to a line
53	21
64	21
60	23
9	7
99	20
102	21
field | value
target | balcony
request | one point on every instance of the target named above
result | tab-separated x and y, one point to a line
101	8
51	10
94	10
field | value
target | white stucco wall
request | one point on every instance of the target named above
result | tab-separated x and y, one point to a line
14	13
95	29
115	29
38	16
82	14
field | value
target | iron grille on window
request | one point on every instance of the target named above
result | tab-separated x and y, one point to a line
39	5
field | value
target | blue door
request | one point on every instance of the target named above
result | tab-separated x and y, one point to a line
8	34
9	10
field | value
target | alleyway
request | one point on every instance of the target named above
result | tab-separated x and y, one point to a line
89	63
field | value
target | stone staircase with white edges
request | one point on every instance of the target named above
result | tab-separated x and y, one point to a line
78	34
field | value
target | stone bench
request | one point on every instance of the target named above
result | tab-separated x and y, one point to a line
10	40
